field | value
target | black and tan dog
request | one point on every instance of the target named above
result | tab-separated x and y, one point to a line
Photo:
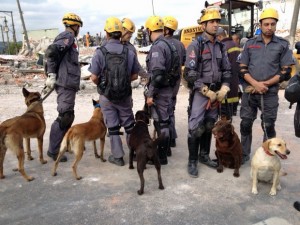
145	148
228	147
29	125
78	134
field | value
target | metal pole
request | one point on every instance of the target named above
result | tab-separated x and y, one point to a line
2	35
14	33
294	23
6	31
24	28
153	8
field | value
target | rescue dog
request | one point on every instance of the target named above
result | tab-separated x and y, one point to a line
29	125
76	136
145	148
228	147
266	165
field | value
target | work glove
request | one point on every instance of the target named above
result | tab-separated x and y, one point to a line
208	93
222	93
250	89
51	79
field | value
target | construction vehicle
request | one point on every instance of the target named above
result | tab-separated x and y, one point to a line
237	17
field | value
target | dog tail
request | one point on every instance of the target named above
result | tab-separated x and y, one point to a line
65	144
2	138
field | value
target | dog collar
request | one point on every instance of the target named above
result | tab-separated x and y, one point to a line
97	105
267	151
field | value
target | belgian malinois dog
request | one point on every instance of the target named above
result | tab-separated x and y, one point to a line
76	136
29	125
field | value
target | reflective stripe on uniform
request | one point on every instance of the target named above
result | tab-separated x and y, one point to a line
233	49
231	100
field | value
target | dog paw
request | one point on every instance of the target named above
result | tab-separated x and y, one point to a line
43	161
2	177
254	191
140	192
103	160
131	167
30	179
219	170
30	158
272	192
161	187
97	156
236	174
54	174
79	178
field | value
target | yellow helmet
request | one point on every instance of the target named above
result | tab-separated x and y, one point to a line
113	24
170	22
269	13
72	19
210	13
128	24
154	23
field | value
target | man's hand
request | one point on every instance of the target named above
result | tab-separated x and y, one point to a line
150	101
51	79
222	93
258	88
208	93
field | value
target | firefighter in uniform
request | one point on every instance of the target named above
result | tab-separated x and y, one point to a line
128	30
158	91
116	115
170	25
208	65
265	62
233	51
64	76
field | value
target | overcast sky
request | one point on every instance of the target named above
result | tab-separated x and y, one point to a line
45	14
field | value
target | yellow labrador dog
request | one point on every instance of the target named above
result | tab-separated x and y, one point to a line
266	165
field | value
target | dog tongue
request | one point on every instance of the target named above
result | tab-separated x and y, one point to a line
281	155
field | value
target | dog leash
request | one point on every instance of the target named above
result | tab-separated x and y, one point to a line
47	94
263	115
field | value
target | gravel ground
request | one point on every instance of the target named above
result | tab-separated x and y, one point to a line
107	193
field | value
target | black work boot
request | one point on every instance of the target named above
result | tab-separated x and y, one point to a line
192	168
205	142
193	145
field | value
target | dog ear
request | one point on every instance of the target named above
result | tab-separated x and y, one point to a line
266	144
94	102
25	92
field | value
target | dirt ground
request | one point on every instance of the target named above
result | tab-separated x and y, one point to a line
107	194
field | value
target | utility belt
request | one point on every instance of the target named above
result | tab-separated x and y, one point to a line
213	86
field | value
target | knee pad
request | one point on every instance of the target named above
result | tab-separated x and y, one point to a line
114	130
129	128
246	126
209	124
160	125
198	132
269	127
65	119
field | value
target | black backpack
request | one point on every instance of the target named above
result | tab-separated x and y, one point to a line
172	73
292	91
116	84
56	54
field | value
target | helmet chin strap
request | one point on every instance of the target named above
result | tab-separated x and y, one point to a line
213	35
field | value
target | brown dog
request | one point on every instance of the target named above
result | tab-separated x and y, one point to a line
29	125
145	148
265	164
228	147
77	135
